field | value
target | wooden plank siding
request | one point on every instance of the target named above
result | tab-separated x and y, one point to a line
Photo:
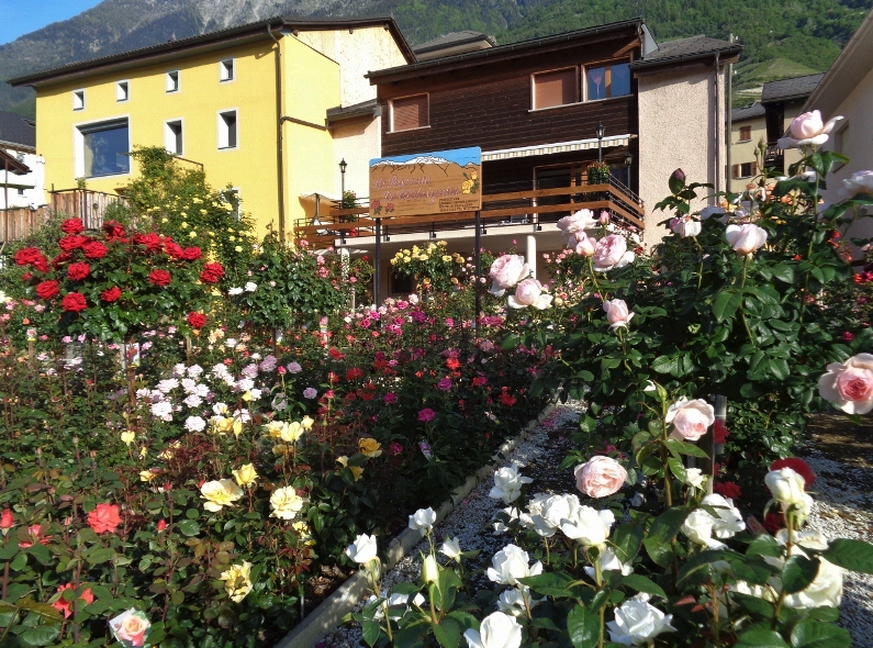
90	206
489	105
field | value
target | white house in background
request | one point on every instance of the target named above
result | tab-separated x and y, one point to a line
847	89
22	171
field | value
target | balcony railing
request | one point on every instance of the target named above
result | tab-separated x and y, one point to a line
90	206
533	207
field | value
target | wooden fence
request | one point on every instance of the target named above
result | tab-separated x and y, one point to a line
90	206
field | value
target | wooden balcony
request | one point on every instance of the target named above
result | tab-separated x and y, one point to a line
90	206
534	207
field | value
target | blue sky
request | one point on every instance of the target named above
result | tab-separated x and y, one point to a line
19	17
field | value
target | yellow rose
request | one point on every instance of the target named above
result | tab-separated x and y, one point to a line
446	258
304	533
193	234
356	471
286	503
238	248
423	257
307	422
291	432
282	449
203	211
369	447
246	475
231	238
220	493
237	581
147	475
247	397
128	437
184	225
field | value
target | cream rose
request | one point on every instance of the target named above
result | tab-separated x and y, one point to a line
237	581
422	519
745	238
507	484
220	493
246	475
286	503
588	526
690	418
849	385
600	476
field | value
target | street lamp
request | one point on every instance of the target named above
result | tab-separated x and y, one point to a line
342	165
599	131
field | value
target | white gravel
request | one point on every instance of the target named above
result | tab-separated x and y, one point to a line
841	510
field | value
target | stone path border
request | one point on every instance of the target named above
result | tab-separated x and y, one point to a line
330	612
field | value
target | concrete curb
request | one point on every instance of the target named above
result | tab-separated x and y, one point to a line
331	611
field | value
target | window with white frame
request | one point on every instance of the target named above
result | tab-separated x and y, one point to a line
226	70
78	100
555	88
122	91
172	81
410	112
227	130
173	136
605	81
102	148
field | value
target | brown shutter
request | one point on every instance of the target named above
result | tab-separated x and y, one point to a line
555	88
754	168
410	112
735	170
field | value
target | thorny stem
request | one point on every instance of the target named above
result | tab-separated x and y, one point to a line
598	578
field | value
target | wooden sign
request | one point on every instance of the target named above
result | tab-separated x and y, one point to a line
442	182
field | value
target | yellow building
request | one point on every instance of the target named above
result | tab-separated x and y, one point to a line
269	108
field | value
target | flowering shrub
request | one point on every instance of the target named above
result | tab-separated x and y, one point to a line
432	267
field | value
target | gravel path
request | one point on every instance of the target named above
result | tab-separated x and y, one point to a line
843	508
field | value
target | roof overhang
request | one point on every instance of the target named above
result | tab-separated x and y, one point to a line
557	147
11	163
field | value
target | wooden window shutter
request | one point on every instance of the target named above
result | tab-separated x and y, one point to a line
555	88
410	112
754	168
735	170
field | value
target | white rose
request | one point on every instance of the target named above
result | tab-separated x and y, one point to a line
497	630
637	622
451	549
860	182
422	519
786	485
609	561
588	526
745	238
363	550
507	484
511	563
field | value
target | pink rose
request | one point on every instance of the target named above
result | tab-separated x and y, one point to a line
583	244
600	476
684	227
578	222
131	627
849	385
807	128
611	252
690	418
617	313
506	271
530	293
745	238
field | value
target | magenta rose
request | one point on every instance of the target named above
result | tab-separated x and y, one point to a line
690	418
600	476
849	385
506	271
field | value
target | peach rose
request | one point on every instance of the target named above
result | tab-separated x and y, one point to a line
849	385
104	518
600	476
690	418
131	627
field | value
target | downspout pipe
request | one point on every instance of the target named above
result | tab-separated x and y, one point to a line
280	144
717	124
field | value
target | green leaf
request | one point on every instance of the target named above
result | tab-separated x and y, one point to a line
664	528
856	555
686	448
783	272
798	573
760	639
100	555
643	584
626	541
371	632
189	528
764	545
447	633
815	634
556	584
41	635
726	304
583	626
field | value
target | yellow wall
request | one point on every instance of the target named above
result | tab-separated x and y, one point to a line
251	166
744	151
312	86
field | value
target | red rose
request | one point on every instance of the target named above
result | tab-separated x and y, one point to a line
72	242
151	240
63	257
78	271
774	522
111	294
104	518
173	249
6	520
159	277
33	257
72	226
74	302
47	289
212	272
94	250
114	230
65	606
192	253
727	489
196	320
720	432
796	464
